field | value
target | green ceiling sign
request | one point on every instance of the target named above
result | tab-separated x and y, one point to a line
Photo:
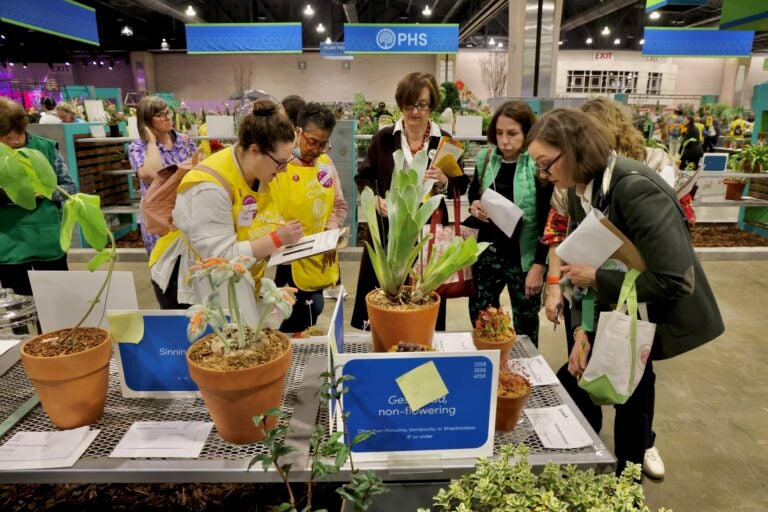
744	15
652	5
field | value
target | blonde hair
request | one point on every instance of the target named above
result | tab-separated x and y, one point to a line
65	107
625	138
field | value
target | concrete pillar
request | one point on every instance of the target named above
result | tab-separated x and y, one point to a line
143	67
734	75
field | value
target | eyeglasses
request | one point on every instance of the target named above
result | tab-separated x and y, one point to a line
545	170
322	145
165	114
280	165
421	107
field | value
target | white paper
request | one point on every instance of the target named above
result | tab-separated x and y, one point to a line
558	428
180	439
535	369
668	174
97	131
309	245
38	450
503	212
220	126
590	244
62	297
453	342
133	127
6	345
94	111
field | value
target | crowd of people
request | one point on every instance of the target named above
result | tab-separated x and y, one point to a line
277	184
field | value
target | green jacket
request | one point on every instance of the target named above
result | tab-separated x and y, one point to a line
31	235
525	197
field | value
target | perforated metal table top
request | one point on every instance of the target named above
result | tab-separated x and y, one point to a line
221	461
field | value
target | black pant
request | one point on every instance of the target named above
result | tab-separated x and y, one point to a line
309	304
15	275
168	299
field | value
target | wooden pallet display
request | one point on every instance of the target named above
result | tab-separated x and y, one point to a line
93	158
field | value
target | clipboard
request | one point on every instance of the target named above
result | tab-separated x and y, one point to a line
628	252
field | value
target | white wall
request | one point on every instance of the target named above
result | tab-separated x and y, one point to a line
211	77
755	77
468	71
698	76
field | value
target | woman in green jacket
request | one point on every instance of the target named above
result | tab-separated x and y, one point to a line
517	261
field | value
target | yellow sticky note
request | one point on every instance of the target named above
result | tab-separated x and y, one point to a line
422	385
126	327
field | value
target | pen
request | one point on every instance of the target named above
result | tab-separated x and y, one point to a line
557	314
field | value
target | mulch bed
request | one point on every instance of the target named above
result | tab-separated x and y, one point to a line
724	235
132	240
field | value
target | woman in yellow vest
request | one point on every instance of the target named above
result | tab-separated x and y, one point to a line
310	192
222	207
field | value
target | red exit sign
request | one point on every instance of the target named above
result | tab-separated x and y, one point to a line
602	56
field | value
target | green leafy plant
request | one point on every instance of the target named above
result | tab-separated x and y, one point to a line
276	302
754	158
362	487
26	174
512	486
407	213
494	323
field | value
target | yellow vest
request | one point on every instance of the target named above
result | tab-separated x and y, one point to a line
251	214
306	194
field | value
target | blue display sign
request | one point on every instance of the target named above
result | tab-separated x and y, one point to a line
206	38
63	18
462	420
697	42
401	38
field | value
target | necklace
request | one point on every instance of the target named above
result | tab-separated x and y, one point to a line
424	140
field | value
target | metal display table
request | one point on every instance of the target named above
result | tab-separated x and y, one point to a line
224	462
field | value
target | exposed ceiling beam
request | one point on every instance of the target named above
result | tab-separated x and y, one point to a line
481	18
708	21
595	13
169	10
452	11
350	10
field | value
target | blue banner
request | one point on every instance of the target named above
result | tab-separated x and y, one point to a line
401	38
459	420
697	42
58	17
206	38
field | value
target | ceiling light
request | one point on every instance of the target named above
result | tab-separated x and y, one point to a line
655	15
126	31
101	63
589	40
308	10
24	65
559	43
642	42
190	11
328	40
320	28
500	45
617	41
427	11
492	42
66	63
2	36
164	45
470	45
606	31
10	64
93	62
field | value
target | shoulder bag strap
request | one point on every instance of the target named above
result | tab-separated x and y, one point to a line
224	183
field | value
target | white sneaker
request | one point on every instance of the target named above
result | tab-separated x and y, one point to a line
332	292
653	466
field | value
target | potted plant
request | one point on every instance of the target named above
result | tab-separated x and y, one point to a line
69	368
755	158
734	187
493	331
408	313
239	368
113	118
510	483
514	391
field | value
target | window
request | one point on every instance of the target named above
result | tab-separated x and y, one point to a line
601	82
654	83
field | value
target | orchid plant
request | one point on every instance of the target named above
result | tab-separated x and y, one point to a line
277	303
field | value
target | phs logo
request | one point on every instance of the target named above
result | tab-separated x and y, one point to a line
387	39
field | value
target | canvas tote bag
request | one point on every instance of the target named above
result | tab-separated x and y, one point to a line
621	349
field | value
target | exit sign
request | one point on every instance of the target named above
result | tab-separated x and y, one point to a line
602	56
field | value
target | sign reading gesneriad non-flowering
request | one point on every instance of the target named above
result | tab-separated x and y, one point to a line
401	38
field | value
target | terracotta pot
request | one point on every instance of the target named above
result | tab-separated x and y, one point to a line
734	191
72	388
234	397
505	346
388	326
509	409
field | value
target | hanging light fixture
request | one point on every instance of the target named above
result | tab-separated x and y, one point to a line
320	28
190	11
606	31
308	10
642	42
655	15
500	45
164	45
328	40
617	41
427	11
491	42
126	31
589	40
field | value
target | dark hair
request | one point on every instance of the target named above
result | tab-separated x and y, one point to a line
678	112
317	114
584	143
265	126
146	110
690	119
12	117
409	90
292	105
48	103
520	111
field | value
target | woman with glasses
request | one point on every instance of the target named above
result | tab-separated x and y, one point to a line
646	210
159	146
223	206
310	192
518	261
417	95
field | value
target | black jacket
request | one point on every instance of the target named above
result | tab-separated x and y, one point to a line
645	209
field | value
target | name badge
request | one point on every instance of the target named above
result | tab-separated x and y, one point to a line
245	218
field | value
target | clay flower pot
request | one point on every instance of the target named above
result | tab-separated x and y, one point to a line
734	189
389	326
513	396
234	397
73	387
492	343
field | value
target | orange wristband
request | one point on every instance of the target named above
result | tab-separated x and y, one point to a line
553	280
276	239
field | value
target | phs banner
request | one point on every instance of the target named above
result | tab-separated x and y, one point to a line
697	42
63	18
207	38
401	38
